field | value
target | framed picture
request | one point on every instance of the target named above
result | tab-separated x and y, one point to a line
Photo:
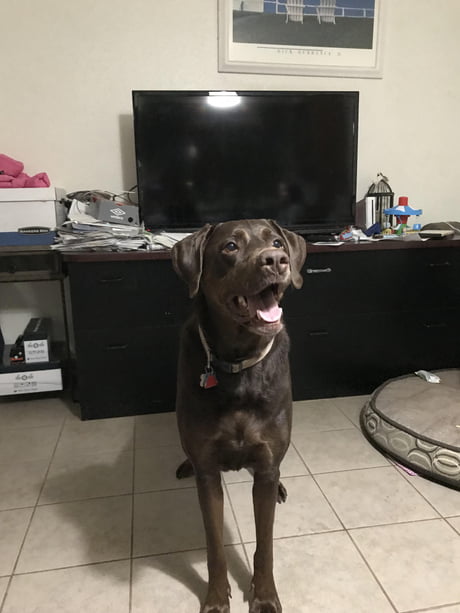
336	38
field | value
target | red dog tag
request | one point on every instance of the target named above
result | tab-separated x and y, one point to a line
208	379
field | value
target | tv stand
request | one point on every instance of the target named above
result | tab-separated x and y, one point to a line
366	312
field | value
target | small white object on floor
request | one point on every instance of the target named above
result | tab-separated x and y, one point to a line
428	376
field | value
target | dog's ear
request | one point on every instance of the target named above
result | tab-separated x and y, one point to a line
297	251
187	258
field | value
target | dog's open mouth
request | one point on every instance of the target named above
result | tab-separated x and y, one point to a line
263	307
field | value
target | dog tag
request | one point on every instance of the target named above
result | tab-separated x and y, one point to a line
208	379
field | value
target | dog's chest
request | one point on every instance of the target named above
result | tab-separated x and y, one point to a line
241	442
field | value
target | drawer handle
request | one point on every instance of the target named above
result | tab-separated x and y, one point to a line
319	333
318	271
121	347
111	280
439	264
435	324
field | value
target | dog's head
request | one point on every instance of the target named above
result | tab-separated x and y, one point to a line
242	268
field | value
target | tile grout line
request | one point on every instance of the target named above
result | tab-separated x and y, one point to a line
440	515
441	607
133	494
301	458
131	553
373	574
336	403
390	465
319	487
32	515
400	472
80	565
236	523
344	529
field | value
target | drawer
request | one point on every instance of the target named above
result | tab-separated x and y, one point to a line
432	338
123	350
29	266
341	355
344	280
370	281
354	354
121	294
422	278
127	372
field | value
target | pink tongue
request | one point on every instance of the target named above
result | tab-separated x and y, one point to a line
266	307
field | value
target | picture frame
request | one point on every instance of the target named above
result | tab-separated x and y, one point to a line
329	38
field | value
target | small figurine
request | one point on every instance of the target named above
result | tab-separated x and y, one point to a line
402	212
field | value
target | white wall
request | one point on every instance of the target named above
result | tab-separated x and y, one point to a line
67	70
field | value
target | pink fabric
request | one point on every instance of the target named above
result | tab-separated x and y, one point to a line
9	181
11	175
10	166
39	180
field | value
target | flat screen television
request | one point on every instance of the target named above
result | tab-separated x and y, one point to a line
213	156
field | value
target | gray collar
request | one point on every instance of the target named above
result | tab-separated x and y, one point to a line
232	367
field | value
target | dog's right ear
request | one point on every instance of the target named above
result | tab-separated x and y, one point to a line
187	258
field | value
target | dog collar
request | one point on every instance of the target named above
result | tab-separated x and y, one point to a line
209	379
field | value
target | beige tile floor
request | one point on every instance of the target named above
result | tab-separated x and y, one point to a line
92	519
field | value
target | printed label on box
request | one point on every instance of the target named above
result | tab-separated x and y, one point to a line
30	382
36	351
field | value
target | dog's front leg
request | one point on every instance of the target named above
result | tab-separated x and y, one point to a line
265	493
211	499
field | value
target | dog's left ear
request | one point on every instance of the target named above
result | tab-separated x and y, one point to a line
297	251
187	258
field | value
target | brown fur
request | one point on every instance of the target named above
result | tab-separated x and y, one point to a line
245	420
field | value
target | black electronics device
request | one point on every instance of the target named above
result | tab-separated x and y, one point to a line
17	350
213	156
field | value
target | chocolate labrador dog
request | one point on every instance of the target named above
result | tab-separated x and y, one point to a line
234	403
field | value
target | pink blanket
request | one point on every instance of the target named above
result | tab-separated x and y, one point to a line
12	175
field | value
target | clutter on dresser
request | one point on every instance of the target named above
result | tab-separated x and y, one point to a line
100	220
103	221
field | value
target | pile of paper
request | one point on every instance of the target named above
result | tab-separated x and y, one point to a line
84	232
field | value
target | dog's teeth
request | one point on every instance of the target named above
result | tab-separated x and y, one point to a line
242	301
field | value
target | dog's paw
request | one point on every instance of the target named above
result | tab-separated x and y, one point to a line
184	470
265	606
282	493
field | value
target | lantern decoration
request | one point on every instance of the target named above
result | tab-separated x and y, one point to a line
383	194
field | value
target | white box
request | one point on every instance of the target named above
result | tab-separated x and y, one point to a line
30	382
365	212
371	219
31	206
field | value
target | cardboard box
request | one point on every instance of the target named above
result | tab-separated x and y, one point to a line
30	382
25	378
31	206
37	340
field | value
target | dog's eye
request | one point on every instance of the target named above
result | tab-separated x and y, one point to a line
277	243
231	246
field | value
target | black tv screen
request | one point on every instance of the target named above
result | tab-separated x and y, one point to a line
214	156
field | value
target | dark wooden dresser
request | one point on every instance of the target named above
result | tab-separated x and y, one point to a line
365	313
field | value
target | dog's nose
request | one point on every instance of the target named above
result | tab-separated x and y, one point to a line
276	260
